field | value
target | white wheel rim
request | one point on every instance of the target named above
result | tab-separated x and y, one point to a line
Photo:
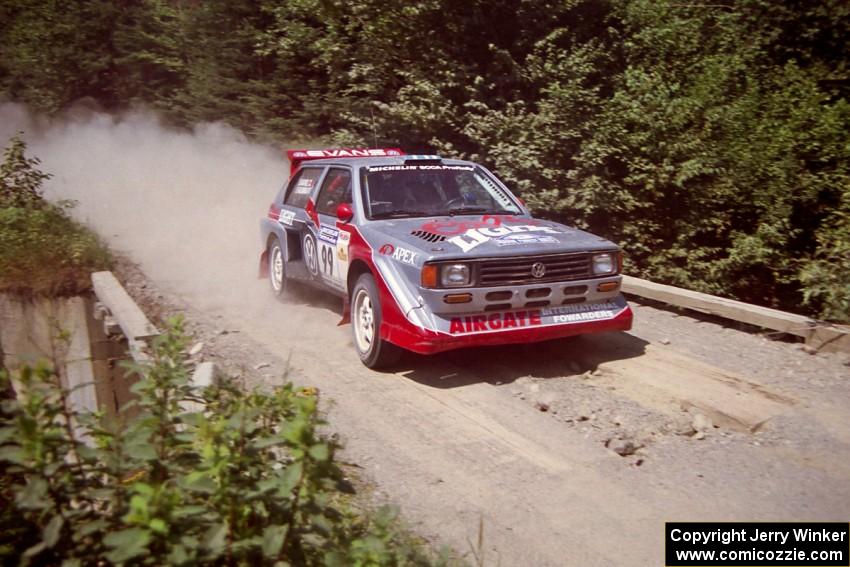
364	321
277	268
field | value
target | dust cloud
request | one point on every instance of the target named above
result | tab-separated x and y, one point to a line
185	205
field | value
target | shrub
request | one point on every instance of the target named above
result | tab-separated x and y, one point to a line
826	277
20	179
246	480
42	250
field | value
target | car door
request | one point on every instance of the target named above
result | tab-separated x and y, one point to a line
331	243
292	214
294	222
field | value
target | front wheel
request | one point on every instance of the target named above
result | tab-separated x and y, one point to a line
277	269
366	324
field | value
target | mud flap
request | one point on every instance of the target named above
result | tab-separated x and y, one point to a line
263	271
346	312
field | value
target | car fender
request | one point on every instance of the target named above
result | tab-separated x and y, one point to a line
270	226
398	301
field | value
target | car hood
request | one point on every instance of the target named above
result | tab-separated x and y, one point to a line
482	236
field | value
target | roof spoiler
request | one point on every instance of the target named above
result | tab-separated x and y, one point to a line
297	156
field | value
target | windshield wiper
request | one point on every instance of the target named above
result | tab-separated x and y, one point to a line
464	210
398	214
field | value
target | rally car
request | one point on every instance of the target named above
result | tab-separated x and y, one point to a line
433	254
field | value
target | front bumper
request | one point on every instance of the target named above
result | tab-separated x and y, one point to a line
454	331
525	296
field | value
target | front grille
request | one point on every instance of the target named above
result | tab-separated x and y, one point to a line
559	268
538	292
575	290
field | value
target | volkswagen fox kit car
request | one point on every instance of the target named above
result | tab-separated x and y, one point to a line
433	254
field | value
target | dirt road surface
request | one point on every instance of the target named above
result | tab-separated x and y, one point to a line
712	423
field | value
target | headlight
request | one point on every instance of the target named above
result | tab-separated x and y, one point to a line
604	263
454	275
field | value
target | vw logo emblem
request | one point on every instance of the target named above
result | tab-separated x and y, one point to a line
538	270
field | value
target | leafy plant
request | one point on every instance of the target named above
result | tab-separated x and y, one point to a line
42	250
826	277
248	479
20	179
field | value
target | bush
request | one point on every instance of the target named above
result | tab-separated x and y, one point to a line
826	277
42	250
246	480
20	179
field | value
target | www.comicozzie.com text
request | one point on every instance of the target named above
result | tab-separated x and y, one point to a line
726	536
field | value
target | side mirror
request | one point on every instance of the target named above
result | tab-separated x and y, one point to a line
344	212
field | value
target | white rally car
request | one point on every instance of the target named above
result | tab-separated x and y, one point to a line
433	254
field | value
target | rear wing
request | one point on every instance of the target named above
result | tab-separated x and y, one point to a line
297	156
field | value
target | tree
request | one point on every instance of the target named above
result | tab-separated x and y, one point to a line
55	53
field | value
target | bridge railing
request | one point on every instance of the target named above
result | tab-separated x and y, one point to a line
120	314
818	334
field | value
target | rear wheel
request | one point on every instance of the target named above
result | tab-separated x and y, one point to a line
277	269
366	324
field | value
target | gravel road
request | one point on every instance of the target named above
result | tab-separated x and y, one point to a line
525	437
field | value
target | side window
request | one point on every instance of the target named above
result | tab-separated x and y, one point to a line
298	192
335	190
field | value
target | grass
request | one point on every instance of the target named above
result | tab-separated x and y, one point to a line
43	252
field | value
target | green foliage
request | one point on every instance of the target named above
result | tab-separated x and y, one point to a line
721	165
711	140
248	479
20	179
42	250
150	44
55	53
826	277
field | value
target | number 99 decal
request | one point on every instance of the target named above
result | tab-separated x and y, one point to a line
325	259
328	259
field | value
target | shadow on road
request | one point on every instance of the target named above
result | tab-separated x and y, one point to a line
504	364
499	364
301	294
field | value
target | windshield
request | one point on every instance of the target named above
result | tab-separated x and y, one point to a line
396	191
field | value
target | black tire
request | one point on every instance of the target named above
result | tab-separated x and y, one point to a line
365	314
277	269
